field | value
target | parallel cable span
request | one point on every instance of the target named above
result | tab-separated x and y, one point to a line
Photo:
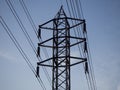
91	76
79	47
79	12
74	28
31	20
22	26
28	15
23	29
12	37
88	76
35	30
74	15
89	55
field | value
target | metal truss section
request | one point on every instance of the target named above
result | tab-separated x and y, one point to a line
61	44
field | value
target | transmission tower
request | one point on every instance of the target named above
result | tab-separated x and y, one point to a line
61	49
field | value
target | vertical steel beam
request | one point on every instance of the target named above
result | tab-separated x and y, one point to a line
61	76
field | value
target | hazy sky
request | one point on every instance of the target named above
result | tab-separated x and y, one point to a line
103	26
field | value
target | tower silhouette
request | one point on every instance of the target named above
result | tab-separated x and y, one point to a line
61	43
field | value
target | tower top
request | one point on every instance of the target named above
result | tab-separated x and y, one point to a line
61	13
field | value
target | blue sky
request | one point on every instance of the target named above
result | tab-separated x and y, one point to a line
103	26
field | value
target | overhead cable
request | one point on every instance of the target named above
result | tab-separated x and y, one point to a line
25	57
35	30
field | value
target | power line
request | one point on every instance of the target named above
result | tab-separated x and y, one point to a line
89	55
79	2
31	21
74	29
80	15
35	30
76	35
23	29
20	24
28	15
12	37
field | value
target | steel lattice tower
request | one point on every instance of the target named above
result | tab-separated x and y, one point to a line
61	45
